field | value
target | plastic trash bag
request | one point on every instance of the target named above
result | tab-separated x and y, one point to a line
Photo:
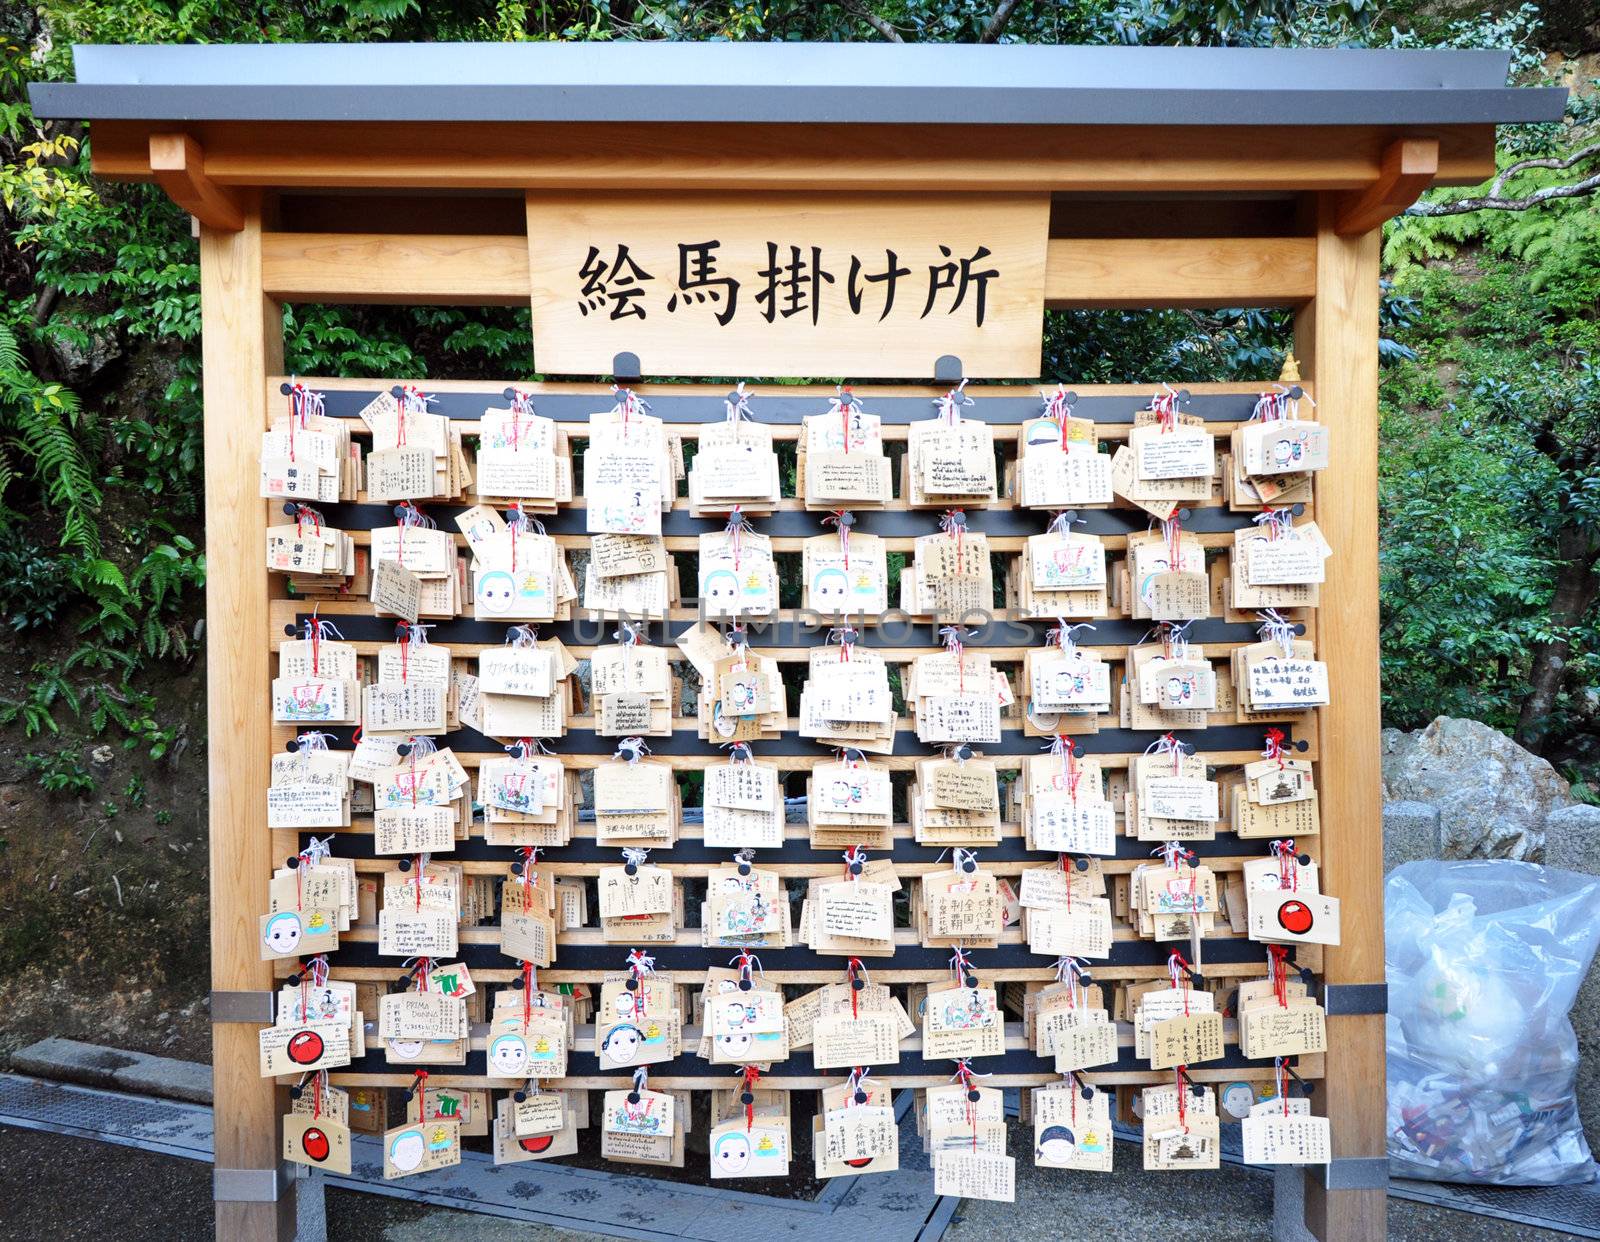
1484	959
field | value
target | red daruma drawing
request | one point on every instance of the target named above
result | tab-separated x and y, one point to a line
305	1048
1295	917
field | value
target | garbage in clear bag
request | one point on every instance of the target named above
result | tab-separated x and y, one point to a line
1485	957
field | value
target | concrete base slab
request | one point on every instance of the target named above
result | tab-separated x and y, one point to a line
68	1060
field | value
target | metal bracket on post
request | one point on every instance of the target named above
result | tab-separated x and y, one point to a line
625	368
948	370
250	1185
253	1007
1351	999
1356	1173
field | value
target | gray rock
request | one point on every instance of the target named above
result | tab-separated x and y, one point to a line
1572	838
1493	796
1572	842
82	360
1410	833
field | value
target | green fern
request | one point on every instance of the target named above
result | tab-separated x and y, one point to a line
36	420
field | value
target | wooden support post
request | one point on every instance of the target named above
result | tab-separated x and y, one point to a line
1409	167
179	166
1336	338
242	345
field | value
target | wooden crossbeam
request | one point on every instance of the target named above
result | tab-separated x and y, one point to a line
178	165
869	158
1409	167
492	270
1179	272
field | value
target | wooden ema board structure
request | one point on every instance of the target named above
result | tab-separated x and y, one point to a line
581	954
1330	277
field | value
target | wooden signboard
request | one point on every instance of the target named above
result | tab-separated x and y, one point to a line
711	284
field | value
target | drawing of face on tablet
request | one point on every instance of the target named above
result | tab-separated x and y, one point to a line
508	1055
407	1149
496	591
830	588
282	934
1237	1099
731	1155
721	588
1056	1145
621	1044
1041	431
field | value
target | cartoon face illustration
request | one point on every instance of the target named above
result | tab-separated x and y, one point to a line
721	587
282	934
735	1045
1237	1097
1285	450
625	1005
1179	689
829	588
621	1044
842	793
496	590
405	1049
1066	683
407	1149
731	1153
508	1055
1056	1145
1041	431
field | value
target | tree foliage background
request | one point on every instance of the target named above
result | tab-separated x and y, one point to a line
1491	399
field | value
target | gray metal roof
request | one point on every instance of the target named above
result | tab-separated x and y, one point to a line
787	82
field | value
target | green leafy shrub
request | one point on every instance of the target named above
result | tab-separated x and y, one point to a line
35	586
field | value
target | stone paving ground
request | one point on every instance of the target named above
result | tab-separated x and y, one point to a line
62	1189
